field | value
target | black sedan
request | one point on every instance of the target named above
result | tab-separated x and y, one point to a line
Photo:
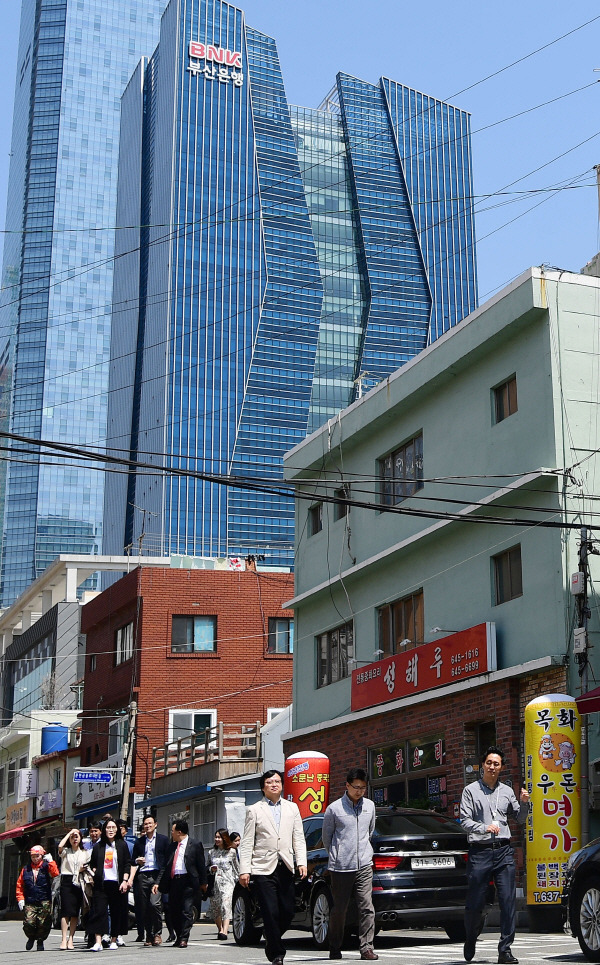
419	879
581	899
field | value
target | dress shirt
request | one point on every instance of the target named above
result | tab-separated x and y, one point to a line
276	813
179	867
150	854
481	806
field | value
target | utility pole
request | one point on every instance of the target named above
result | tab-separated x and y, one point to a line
582	656
128	760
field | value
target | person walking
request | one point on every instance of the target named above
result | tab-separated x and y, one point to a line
348	826
273	837
224	865
484	811
73	857
111	864
34	897
149	857
182	877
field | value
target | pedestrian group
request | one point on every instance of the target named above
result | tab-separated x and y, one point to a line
97	873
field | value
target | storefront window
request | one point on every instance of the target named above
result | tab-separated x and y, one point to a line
410	772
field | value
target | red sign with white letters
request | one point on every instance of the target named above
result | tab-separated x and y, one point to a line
445	661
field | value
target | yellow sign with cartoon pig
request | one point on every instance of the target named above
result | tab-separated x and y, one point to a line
553	779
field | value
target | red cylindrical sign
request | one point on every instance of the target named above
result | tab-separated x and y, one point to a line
307	782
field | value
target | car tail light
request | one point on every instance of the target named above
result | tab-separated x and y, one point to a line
387	862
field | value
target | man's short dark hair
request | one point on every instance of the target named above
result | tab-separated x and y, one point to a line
182	826
356	774
94	826
492	749
265	777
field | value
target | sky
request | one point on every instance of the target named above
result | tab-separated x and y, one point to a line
534	181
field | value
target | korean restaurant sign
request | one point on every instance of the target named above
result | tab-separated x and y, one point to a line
215	63
19	814
455	657
553	779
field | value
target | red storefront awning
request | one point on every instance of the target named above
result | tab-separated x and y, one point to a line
17	832
589	703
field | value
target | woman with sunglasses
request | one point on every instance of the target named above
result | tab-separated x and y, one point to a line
73	857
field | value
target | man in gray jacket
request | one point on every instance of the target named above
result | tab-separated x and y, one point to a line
347	828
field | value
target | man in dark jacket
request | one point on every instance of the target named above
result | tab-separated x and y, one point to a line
182	877
148	858
34	896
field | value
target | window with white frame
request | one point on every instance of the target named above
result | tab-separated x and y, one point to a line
273	711
12	778
194	634
334	650
124	644
2	781
281	635
117	734
185	723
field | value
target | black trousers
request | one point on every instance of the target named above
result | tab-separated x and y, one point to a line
181	903
150	906
487	861
276	898
108	899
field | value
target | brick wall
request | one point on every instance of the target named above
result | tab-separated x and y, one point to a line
240	681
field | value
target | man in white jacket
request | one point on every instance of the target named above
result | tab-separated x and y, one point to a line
273	837
347	829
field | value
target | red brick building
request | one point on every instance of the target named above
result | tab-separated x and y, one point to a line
194	648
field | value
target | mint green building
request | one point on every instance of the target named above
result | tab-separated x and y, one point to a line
499	419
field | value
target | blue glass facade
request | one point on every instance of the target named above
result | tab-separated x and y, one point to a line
284	261
75	59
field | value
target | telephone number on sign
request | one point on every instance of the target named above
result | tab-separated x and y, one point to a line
473	665
546	896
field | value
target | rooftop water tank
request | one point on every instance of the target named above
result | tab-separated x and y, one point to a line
55	737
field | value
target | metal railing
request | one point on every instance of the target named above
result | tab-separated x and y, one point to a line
223	743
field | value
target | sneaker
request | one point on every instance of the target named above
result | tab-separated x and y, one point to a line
105	941
113	946
29	944
97	947
40	946
120	942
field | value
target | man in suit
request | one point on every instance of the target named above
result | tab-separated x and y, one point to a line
183	875
273	836
148	858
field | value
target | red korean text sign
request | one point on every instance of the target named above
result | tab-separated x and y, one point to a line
445	661
307	782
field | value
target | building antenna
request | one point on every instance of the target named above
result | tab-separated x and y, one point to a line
144	512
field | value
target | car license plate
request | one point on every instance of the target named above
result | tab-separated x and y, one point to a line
435	861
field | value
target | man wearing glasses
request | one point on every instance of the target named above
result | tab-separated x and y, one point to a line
484	811
347	829
273	837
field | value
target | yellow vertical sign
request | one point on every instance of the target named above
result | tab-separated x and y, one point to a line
553	769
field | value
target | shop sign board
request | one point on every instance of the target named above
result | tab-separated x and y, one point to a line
50	800
17	815
27	782
553	779
306	782
467	653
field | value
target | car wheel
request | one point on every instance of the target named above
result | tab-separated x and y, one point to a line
586	919
319	918
455	931
244	932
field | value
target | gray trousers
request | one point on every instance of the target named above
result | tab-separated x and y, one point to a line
345	885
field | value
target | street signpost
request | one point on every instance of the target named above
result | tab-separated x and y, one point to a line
92	777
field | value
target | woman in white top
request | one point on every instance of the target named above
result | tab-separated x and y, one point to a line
73	858
111	864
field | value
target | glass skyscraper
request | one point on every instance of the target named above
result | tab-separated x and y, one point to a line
288	259
75	58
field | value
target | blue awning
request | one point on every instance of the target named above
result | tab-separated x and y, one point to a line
97	808
173	796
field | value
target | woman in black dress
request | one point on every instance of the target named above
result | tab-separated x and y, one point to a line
111	865
73	857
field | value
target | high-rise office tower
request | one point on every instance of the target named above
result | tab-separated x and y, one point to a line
285	257
75	58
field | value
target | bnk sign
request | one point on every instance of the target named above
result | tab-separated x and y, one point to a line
220	55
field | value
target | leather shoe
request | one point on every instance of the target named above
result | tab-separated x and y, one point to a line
469	950
369	955
507	958
278	960
335	954
157	940
181	944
